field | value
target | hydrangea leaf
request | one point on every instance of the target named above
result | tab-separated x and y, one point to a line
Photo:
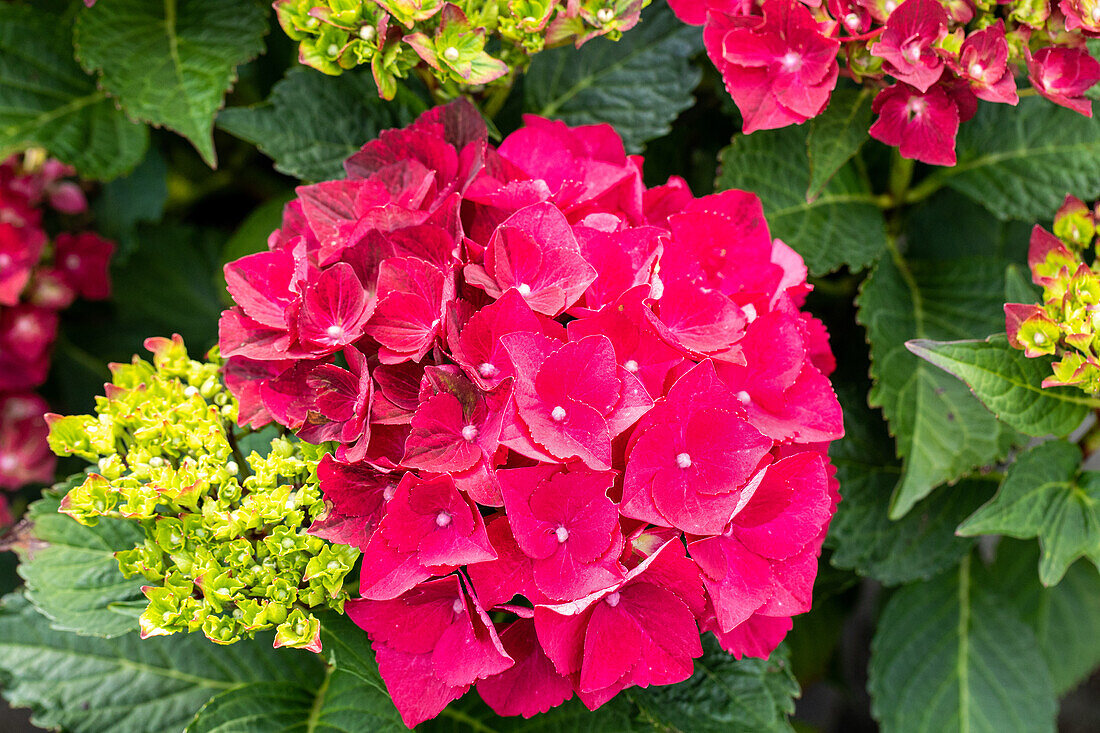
171	63
1008	383
639	83
724	695
62	110
951	654
843	225
312	122
125	685
1065	618
349	696
836	135
916	547
70	570
1043	497
1009	162
942	431
139	196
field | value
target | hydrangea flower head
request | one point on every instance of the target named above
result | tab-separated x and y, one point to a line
577	421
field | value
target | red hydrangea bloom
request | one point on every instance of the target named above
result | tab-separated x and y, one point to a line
37	281
1063	75
779	69
556	396
906	46
922	125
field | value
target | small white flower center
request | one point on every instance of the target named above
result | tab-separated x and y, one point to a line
683	460
612	600
911	52
890	6
750	312
976	70
631	366
558	413
5	260
72	262
367	32
335	331
743	397
388	492
1040	338
605	15
458	606
1096	14
451	54
562	534
524	289
487	370
191	391
443	519
333	49
8	462
25	325
851	21
915	107
469	433
791	61
656	288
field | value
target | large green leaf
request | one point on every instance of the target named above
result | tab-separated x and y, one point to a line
919	545
127	685
71	572
1065	618
639	84
1042	496
942	431
836	135
951	655
48	100
1020	162
724	695
842	225
348	697
312	122
1009	383
171	62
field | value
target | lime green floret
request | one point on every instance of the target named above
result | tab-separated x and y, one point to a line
226	548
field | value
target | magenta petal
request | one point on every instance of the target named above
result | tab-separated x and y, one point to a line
532	685
335	308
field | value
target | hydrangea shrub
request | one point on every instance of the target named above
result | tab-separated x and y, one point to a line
562	402
929	61
444	40
225	545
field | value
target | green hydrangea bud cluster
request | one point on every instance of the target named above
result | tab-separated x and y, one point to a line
226	548
1067	322
445	41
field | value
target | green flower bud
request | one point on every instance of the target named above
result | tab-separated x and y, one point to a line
299	631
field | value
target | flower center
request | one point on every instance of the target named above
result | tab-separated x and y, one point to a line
562	534
683	460
72	262
612	600
366	32
911	52
791	61
915	107
750	312
558	413
335	331
8	462
605	15
743	397
487	370
333	49
1039	338
469	433
851	21
524	289
443	519
5	260
451	54
631	366
1095	14
458	606
976	70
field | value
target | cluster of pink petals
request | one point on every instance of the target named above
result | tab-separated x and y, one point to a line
779	60
577	422
39	277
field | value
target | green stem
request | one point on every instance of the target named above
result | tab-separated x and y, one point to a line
901	175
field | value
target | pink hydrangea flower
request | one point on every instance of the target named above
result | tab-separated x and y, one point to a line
25	457
779	69
556	396
1063	75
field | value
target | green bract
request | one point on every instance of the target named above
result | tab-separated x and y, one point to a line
445	41
226	549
